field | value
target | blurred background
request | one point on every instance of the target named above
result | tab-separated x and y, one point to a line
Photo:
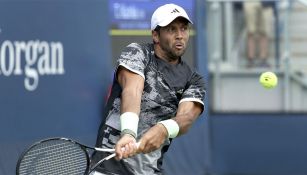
56	66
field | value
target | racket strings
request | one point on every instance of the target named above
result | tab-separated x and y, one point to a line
54	157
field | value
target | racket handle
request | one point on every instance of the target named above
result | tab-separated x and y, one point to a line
111	150
105	149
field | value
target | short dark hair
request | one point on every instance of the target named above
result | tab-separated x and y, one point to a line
157	29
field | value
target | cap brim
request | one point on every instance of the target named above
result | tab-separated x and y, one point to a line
168	21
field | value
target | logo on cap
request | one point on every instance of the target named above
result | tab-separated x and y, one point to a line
175	11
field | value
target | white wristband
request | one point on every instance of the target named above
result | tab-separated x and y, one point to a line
129	121
171	126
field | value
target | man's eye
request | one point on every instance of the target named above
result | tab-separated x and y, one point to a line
184	28
171	30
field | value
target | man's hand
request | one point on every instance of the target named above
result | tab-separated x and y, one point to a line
125	147
153	139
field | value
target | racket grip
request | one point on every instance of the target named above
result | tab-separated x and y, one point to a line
105	149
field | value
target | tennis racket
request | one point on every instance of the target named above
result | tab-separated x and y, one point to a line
58	156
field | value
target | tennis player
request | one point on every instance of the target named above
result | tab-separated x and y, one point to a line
155	97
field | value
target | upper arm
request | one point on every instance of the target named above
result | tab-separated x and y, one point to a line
130	75
131	65
129	80
191	104
195	92
134	59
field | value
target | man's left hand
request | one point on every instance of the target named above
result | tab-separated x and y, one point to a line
153	139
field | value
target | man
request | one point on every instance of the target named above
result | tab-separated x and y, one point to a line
258	18
155	97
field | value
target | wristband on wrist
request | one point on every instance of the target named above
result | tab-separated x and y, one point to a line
129	123
128	131
171	126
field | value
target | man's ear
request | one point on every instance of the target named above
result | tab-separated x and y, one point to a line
155	36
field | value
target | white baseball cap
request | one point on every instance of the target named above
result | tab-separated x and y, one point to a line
167	13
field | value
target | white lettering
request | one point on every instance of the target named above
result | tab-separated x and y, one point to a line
57	58
38	58
128	12
7	67
31	57
20	47
43	64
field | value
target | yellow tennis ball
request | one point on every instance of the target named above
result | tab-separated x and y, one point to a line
268	80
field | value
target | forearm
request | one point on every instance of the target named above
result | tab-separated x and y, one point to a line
132	85
186	115
184	122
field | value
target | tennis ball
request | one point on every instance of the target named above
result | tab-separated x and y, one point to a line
268	80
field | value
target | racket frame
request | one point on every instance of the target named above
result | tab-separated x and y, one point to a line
84	148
